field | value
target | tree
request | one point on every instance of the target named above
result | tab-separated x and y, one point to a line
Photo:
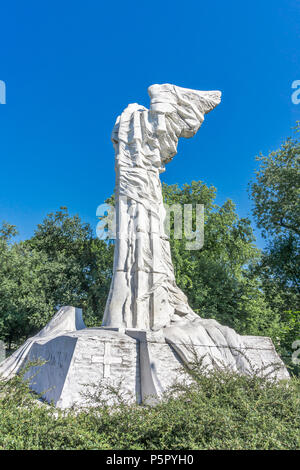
80	264
217	278
62	264
276	196
23	305
276	190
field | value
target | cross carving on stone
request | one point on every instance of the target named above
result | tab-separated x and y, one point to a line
108	360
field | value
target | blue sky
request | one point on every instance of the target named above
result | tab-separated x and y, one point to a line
71	67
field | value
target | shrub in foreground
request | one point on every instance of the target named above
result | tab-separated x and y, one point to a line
220	411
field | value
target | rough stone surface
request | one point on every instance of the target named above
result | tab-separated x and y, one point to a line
140	364
83	363
66	319
143	292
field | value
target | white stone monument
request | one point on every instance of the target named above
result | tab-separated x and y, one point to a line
149	329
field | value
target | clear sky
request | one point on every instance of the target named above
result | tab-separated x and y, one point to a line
71	67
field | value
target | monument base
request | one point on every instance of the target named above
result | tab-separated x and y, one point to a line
79	362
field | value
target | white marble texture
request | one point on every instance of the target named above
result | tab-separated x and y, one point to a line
143	291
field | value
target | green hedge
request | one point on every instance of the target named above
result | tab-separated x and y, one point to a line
222	411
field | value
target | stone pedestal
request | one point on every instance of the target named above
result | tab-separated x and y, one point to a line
83	362
141	365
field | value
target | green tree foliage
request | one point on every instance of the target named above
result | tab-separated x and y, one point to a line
23	304
62	264
276	190
217	279
276	196
81	264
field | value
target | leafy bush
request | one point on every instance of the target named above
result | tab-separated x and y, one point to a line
220	411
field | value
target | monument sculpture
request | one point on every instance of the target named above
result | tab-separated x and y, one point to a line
148	328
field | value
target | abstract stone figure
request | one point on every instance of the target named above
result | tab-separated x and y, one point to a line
149	329
143	291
